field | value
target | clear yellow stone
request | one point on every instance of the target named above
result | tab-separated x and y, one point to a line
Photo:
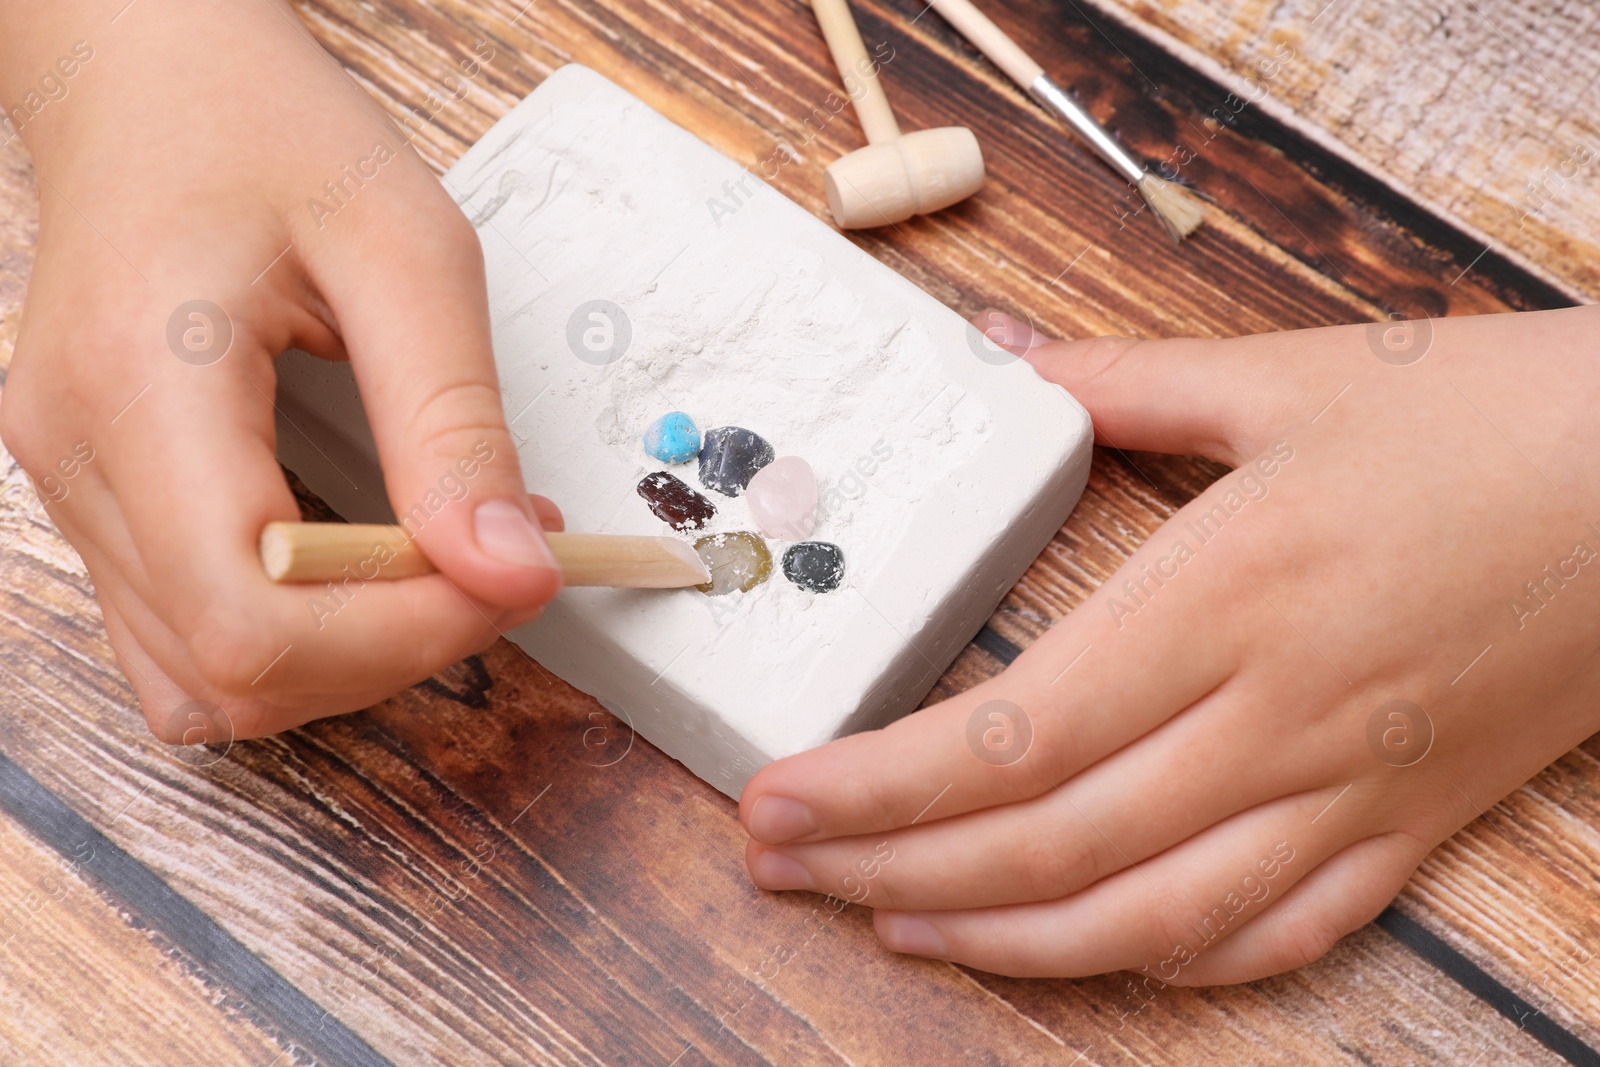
738	562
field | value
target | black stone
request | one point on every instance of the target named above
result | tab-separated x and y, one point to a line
674	503
730	457
816	566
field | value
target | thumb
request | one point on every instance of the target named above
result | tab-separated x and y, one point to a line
417	330
1223	399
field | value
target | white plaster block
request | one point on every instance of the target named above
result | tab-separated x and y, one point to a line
944	472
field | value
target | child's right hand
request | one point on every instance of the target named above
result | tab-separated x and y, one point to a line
180	164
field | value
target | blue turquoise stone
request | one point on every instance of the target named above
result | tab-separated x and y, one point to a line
673	438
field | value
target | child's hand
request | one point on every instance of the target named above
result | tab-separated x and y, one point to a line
1218	786
206	170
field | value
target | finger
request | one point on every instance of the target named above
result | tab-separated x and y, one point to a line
550	517
1226	399
190	482
169	686
552	521
417	331
1010	333
1187	775
169	706
1082	691
1343	894
925	766
883	780
1162	914
158	695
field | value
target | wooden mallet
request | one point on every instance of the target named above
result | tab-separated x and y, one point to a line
336	551
896	175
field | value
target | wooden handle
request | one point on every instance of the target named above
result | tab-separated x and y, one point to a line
857	69
989	39
335	551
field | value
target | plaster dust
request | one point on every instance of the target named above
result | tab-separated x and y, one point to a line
844	392
750	314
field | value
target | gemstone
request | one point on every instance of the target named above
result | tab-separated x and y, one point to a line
738	562
816	566
783	499
674	503
673	438
730	457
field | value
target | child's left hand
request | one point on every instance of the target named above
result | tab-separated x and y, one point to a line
1219	785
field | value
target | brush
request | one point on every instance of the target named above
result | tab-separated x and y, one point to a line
333	551
1178	210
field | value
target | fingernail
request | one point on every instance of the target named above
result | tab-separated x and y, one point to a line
512	620
779	820
505	532
1013	335
911	935
774	870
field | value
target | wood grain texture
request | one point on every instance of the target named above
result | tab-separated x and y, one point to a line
489	868
415	895
81	986
1482	111
1516	891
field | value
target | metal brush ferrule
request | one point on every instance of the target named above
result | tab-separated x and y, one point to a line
1059	103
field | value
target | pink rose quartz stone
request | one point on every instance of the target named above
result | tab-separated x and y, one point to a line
782	498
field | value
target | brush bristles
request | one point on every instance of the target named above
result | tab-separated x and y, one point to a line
1179	210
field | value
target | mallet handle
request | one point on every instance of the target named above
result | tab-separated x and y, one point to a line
860	72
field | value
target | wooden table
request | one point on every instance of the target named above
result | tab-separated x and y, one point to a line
489	868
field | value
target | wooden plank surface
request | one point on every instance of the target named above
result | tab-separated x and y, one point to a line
1482	110
81	986
489	868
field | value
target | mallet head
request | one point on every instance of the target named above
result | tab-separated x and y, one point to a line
914	174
